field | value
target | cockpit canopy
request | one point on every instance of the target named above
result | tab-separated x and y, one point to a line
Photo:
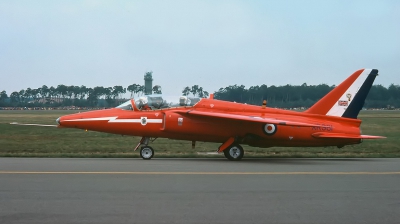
157	102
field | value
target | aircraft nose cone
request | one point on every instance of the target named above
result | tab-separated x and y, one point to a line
58	120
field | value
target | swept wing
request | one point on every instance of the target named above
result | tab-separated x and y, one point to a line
247	118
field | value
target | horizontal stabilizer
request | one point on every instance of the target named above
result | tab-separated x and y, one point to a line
344	135
246	118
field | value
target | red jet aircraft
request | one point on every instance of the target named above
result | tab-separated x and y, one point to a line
332	121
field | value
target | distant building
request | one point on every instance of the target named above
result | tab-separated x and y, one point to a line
148	83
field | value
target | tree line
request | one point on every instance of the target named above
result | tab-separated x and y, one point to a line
196	90
292	96
288	96
63	95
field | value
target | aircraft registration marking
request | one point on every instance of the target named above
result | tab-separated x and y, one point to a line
202	173
322	127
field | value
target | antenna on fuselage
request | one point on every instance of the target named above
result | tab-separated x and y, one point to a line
264	105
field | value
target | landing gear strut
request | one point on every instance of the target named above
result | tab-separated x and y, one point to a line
234	152
146	152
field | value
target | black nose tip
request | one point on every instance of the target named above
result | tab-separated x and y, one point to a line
58	120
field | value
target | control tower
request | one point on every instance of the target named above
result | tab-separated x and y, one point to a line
148	83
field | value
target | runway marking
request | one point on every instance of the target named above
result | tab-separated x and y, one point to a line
202	173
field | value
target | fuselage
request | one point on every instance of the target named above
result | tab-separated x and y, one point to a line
178	123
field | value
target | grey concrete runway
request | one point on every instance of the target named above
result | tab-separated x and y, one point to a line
199	191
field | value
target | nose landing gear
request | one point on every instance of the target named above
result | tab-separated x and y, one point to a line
146	152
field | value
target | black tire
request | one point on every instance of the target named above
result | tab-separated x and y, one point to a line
234	152
146	152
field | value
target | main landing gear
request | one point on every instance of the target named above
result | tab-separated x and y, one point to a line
234	152
146	152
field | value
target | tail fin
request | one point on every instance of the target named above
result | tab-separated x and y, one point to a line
347	99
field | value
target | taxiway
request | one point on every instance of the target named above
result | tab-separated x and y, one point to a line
53	190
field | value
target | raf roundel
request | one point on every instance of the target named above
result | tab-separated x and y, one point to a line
270	129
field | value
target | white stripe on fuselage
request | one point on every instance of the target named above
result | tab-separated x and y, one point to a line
115	120
94	119
135	121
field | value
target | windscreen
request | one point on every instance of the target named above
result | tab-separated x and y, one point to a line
126	106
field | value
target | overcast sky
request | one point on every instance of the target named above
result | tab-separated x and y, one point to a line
210	43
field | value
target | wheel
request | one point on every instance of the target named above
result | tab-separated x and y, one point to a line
234	152
146	152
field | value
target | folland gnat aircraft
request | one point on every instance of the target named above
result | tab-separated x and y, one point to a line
332	121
